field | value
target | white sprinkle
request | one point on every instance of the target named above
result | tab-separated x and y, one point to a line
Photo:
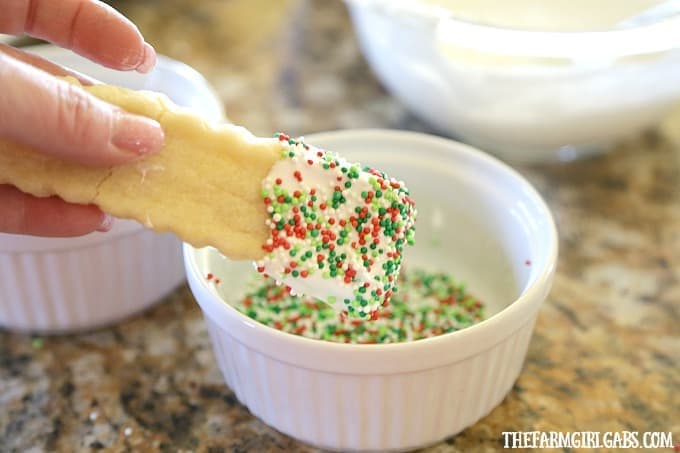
127	432
94	415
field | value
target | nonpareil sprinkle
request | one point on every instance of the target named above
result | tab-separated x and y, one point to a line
427	304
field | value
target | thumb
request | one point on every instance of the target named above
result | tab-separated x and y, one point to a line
63	120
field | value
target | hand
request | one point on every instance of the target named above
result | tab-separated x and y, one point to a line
62	120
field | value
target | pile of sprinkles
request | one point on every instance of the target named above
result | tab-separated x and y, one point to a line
428	304
337	229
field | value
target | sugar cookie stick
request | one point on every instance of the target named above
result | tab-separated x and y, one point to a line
323	226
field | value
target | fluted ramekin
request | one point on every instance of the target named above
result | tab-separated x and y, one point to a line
59	285
479	220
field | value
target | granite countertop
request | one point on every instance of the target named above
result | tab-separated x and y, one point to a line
606	351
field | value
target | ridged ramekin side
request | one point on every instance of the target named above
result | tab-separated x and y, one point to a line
83	288
370	412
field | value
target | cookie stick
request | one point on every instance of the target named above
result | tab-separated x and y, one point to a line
252	198
205	185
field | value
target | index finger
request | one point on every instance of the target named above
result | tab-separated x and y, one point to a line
88	27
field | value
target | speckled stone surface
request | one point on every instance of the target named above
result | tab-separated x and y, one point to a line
606	351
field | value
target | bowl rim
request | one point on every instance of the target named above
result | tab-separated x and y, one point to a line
644	38
482	335
163	63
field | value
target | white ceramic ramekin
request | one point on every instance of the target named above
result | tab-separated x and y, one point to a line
58	285
525	95
479	220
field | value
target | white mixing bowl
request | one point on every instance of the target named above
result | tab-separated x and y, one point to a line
524	95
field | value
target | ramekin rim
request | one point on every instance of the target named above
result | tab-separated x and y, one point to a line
104	239
48	50
410	370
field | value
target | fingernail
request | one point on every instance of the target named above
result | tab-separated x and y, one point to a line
106	225
136	134
148	59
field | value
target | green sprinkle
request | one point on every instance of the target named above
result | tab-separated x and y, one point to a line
37	343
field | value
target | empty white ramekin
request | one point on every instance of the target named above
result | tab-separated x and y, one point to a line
479	220
57	285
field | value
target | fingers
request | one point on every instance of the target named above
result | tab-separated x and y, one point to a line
25	214
65	121
88	27
45	65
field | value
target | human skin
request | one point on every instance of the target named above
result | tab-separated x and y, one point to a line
63	120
